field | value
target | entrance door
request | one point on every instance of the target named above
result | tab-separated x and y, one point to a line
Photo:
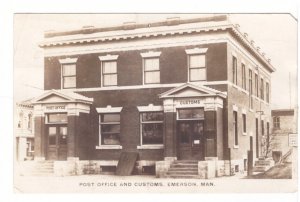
57	142
190	140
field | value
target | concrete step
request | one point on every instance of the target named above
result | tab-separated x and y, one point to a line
187	166
186	161
182	176
260	168
176	172
183	169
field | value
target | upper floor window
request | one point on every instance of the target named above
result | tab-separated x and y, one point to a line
262	88
151	70
196	64
69	75
234	70
244	123
109	70
68	72
276	122
244	76
267	92
256	85
250	89
109	73
29	123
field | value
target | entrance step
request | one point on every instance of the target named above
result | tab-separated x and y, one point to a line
183	169
262	165
38	168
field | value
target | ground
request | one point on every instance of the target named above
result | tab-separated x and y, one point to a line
282	171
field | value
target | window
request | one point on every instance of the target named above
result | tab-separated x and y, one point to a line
262	128
197	68
20	123
276	122
151	128
262	89
151	70
244	123
244	76
267	92
109	73
188	114
109	128
250	89
29	123
256	85
69	75
235	128
57	118
234	70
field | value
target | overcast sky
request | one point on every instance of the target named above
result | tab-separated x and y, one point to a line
276	34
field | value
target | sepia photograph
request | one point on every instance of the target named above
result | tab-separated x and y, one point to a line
155	103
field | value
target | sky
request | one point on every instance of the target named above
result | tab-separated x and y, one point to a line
275	34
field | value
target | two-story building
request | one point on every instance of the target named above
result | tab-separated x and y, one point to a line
24	130
185	89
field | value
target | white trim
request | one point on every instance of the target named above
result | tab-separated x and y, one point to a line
235	108
236	146
109	109
68	61
244	111
150	54
196	51
150	108
233	53
244	134
109	147
108	57
157	146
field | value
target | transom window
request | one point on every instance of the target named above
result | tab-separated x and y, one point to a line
190	114
151	128
197	68
69	75
109	73
109	128
57	118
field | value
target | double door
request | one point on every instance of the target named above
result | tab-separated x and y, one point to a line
57	142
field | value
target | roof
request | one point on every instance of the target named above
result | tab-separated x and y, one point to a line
26	103
67	96
197	90
170	27
282	112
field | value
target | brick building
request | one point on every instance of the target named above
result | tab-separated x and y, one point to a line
186	89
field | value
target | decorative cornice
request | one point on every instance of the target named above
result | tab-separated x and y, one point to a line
68	61
150	54
108	57
196	51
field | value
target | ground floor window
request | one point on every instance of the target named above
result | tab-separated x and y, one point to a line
110	129
151	128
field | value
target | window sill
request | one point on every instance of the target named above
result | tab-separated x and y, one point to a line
236	146
251	110
244	134
109	147
150	147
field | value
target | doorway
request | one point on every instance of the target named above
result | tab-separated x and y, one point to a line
190	140
57	142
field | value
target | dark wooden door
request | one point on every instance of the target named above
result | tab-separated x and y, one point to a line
57	142
190	140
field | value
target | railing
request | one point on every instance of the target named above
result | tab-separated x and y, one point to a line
284	157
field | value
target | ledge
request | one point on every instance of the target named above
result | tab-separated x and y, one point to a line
236	146
244	134
150	147
109	147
